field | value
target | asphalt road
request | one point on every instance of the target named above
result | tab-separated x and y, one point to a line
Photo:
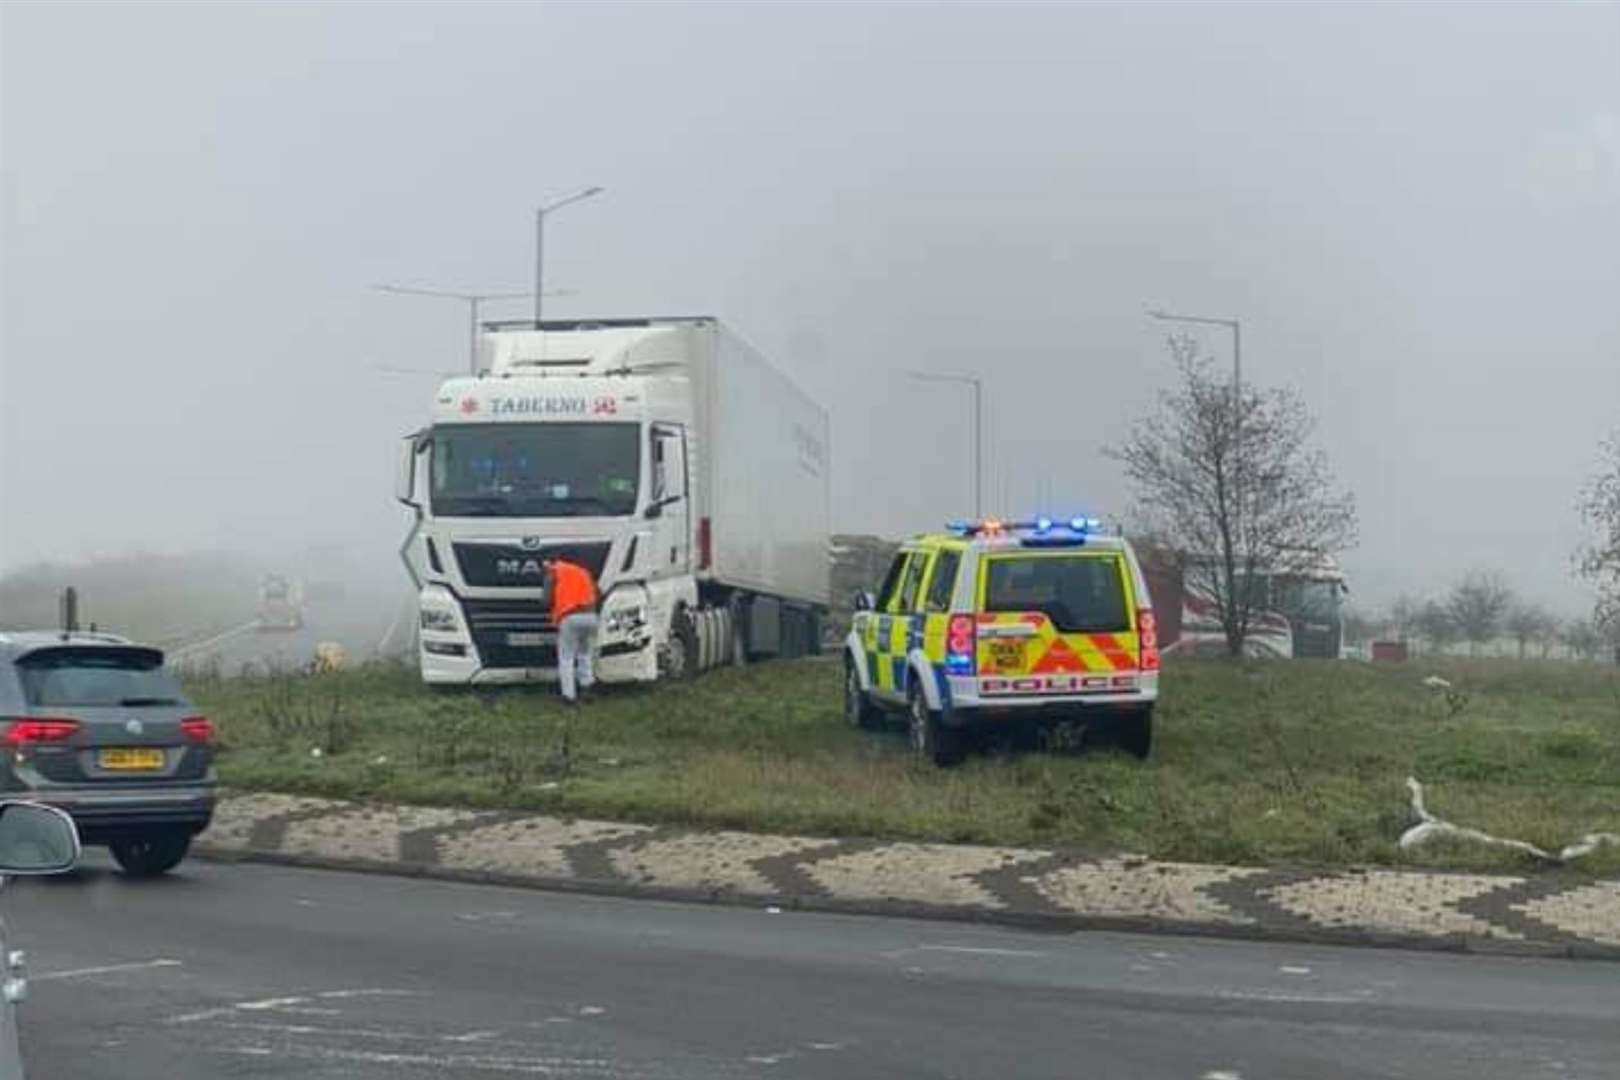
255	971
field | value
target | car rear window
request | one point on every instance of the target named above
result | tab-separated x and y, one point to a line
97	676
1079	593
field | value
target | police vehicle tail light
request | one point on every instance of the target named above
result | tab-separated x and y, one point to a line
1147	631
26	729
959	640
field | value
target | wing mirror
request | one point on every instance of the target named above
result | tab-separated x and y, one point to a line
36	839
865	601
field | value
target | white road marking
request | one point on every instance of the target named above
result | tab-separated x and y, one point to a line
591	1010
285	1003
977	951
1284	996
110	969
269	1003
1294	969
1222	1074
485	916
1142	967
471	1037
825	1046
368	992
460	1063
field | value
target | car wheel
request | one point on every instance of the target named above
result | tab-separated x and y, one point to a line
931	740
152	853
858	708
1133	733
677	660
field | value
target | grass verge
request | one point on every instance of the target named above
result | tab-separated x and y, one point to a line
1254	764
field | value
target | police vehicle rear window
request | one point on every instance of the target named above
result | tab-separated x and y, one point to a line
129	677
1083	594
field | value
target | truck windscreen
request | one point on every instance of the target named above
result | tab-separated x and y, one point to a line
535	470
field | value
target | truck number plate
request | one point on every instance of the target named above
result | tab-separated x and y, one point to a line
522	640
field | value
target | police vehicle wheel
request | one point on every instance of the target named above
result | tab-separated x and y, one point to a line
1133	733
930	739
678	658
858	708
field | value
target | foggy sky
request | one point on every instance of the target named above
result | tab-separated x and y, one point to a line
1414	210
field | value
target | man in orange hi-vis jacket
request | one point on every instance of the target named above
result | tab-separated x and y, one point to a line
573	613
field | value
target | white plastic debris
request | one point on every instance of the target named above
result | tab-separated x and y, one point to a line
1435	682
315	753
1429	826
380	759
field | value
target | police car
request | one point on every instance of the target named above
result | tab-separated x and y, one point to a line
993	622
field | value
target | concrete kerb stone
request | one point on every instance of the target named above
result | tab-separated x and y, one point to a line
1033	888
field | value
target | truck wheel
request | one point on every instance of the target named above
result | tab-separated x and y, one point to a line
1133	733
678	658
152	853
931	740
858	708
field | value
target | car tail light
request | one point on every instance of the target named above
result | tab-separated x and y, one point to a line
705	544
29	729
198	729
959	639
1147	632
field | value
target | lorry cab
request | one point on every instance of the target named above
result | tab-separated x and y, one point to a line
995	622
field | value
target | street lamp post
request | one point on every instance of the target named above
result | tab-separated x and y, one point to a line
472	300
978	429
1237	340
540	241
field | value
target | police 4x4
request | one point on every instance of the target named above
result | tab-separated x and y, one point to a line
994	622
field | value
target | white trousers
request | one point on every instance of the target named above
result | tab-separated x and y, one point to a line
576	641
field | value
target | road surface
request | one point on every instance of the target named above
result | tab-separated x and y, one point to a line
258	971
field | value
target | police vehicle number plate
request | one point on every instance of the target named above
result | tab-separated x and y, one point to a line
1007	655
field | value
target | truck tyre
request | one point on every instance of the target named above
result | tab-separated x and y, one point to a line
858	707
931	740
149	854
1133	733
678	659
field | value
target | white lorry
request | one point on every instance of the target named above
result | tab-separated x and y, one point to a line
664	455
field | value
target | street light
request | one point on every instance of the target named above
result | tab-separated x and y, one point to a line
540	241
978	428
1230	324
472	301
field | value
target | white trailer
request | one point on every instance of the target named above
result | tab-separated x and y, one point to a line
663	454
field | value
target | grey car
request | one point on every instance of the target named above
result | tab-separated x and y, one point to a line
94	724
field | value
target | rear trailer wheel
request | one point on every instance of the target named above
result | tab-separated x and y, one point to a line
152	853
1133	733
858	708
931	740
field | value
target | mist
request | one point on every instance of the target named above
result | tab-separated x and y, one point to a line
1414	210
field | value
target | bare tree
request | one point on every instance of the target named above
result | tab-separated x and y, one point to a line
1435	624
1229	477
1552	632
1477	605
1404	613
1599	560
1582	639
1360	626
1526	622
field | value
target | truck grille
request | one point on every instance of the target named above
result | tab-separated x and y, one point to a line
487	565
490	621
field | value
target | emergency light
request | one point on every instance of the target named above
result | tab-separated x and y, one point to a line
1076	527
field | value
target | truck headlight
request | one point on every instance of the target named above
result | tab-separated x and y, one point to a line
438	619
625	619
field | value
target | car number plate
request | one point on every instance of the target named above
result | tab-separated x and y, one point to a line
131	758
522	640
1007	655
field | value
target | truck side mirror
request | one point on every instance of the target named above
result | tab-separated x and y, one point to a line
405	477
865	601
654	510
